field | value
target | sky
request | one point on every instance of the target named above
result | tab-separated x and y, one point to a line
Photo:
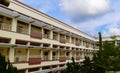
90	16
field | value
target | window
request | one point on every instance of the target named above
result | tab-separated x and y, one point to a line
20	29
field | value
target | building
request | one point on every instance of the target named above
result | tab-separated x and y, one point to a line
37	43
111	39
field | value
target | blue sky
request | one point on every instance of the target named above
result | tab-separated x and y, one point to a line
90	16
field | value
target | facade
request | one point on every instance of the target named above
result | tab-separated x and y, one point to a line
37	43
111	39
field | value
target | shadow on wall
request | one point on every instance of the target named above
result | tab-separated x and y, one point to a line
5	2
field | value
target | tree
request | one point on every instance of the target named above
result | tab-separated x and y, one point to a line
87	66
73	67
6	66
108	57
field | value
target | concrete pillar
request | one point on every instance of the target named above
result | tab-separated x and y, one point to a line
26	71
12	51
82	55
11	54
42	31
70	54
58	54
75	55
29	28
14	24
82	43
50	54
51	34
70	40
28	52
41	54
58	36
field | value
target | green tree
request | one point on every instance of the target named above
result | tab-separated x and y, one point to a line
6	66
107	58
87	66
73	67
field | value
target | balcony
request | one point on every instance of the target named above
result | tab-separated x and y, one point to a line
45	58
4	26
87	45
77	58
68	57
36	35
54	58
20	58
62	59
22	30
46	36
62	40
33	61
77	44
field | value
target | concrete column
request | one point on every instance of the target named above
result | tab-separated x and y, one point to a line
40	68
50	54
26	71
41	54
51	34
58	36
65	53
58	54
11	54
70	54
28	52
14	24
42	31
70	39
12	51
29	28
82	42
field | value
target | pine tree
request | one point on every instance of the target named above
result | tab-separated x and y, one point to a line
107	58
6	66
87	66
73	67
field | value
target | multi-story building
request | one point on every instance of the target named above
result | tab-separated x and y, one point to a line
37	43
112	38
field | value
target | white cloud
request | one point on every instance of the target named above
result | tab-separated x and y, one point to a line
113	29
81	10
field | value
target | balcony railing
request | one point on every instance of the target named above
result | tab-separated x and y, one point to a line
36	35
46	36
77	44
20	58
62	40
77	58
54	58
62	59
55	38
22	30
45	58
33	61
4	26
68	58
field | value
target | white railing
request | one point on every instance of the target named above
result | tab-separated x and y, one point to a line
22	30
20	58
55	57
5	26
